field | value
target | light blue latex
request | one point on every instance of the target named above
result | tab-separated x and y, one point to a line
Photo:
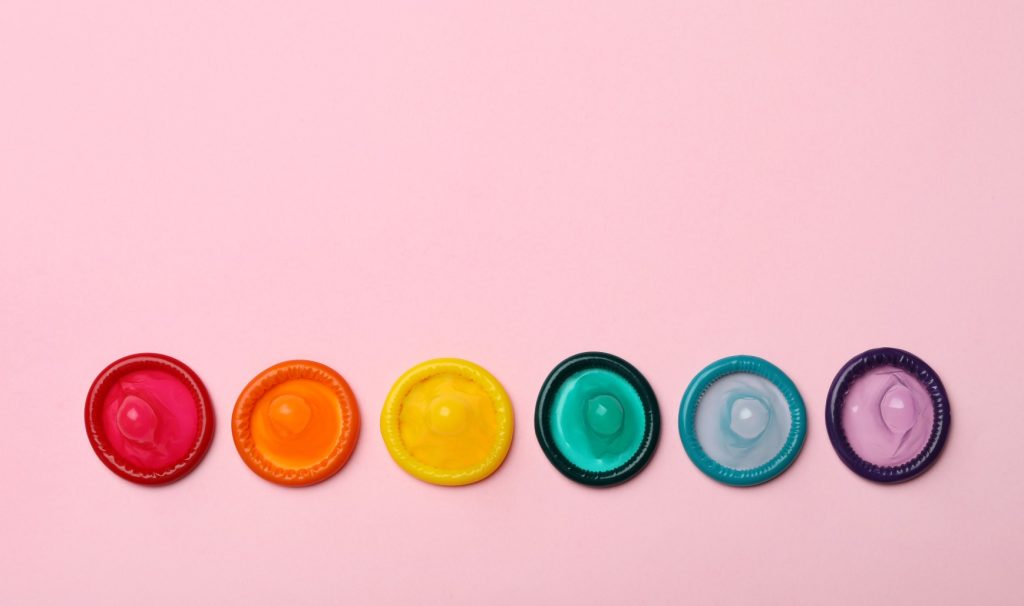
597	420
742	421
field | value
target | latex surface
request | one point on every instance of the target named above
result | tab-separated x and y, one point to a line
887	416
150	419
597	419
447	421
743	421
296	423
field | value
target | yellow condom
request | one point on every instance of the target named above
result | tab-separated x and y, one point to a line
447	421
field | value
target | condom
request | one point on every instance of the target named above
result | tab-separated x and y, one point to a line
296	423
597	419
448	422
887	415
742	421
148	418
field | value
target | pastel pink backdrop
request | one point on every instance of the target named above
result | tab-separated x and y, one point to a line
240	183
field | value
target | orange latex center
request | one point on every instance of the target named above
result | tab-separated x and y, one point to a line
448	422
297	423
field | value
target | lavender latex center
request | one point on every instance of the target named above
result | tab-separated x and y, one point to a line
887	416
742	421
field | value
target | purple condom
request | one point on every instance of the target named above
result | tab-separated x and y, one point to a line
887	415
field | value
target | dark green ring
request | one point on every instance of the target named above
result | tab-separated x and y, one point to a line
652	417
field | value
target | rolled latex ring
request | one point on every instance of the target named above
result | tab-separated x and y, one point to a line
597	419
887	415
296	423
447	421
149	419
742	421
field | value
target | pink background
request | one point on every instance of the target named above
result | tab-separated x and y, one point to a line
240	183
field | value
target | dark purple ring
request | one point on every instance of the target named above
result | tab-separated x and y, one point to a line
855	369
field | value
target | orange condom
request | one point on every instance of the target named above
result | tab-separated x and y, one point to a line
296	423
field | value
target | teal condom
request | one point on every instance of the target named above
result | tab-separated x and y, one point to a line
597	419
742	421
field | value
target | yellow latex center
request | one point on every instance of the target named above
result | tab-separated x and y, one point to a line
448	422
297	424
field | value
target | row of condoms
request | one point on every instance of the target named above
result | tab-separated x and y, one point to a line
447	421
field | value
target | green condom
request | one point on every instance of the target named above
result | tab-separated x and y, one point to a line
597	419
